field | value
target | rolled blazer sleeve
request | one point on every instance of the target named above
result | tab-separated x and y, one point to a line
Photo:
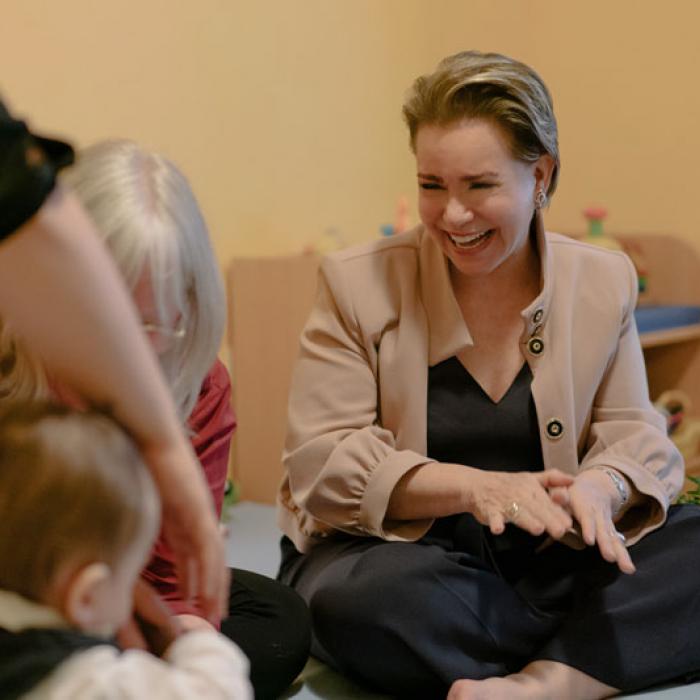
626	432
341	463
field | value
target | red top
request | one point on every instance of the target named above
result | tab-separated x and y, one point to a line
212	422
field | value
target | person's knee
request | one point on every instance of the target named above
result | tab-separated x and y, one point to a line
296	618
332	608
271	623
375	599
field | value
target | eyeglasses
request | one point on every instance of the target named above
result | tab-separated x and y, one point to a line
175	333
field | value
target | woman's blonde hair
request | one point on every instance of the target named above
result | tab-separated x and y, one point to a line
145	210
73	490
490	86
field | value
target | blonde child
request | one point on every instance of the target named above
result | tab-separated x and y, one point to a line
79	515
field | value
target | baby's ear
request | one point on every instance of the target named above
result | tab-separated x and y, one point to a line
86	597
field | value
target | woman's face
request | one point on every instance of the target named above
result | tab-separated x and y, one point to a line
161	333
475	199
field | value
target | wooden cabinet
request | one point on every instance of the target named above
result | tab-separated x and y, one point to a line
269	300
672	356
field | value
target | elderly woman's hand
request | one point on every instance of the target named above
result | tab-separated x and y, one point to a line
521	498
594	501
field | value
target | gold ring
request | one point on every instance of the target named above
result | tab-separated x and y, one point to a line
512	511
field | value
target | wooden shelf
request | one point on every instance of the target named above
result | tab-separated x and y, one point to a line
668	336
692	467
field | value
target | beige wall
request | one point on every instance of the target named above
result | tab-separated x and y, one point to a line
286	114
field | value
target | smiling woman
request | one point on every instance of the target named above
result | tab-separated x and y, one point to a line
475	199
470	467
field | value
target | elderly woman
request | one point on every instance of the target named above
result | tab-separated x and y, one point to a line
150	220
477	490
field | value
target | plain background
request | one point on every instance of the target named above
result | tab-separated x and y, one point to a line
285	114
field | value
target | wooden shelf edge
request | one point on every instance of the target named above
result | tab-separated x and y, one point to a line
669	336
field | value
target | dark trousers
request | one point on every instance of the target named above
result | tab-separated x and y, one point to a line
411	618
271	624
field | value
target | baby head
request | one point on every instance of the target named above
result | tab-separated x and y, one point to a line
79	513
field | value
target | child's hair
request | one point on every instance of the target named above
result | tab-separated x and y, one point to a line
73	490
21	375
147	214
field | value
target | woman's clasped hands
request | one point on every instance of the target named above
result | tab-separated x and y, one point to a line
556	503
521	498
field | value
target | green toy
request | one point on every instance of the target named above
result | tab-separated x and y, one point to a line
596	235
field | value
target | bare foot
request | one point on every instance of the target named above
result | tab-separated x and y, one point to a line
515	687
539	680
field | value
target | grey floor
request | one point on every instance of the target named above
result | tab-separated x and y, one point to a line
253	545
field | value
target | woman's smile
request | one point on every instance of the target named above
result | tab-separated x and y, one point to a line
470	241
475	198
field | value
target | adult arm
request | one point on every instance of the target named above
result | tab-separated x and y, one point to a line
60	292
212	423
627	449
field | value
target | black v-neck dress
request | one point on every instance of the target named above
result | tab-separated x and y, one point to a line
412	617
465	426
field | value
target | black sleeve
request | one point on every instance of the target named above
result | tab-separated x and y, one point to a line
28	166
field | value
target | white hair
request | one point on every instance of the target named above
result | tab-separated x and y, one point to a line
145	211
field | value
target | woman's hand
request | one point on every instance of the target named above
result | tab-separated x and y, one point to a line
593	500
521	498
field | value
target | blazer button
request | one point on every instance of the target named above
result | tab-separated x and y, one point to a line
555	429
535	346
537	316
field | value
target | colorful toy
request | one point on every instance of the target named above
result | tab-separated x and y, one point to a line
231	497
401	223
634	250
332	239
683	430
596	235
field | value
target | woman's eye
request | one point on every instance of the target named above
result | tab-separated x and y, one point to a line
481	185
429	186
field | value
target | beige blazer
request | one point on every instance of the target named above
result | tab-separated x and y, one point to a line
385	312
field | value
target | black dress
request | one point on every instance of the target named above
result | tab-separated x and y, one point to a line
411	618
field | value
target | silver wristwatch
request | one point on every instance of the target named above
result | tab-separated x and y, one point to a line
620	485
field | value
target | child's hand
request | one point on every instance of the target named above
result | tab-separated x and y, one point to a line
152	626
190	623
